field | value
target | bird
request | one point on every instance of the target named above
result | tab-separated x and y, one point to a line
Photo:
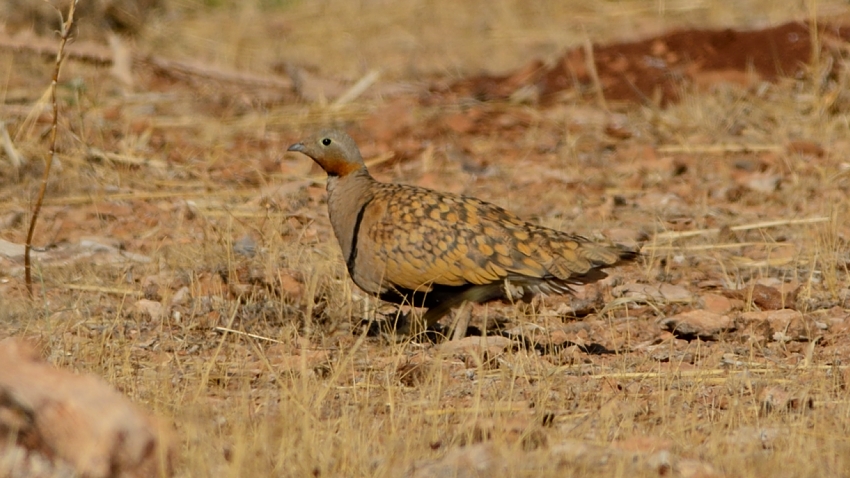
436	250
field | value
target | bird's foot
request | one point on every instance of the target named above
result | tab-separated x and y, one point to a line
401	326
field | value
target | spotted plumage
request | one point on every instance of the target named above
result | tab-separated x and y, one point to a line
413	245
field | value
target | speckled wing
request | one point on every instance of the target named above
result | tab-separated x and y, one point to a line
436	239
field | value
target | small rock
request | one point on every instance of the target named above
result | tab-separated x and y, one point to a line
480	459
664	203
484	348
99	244
238	289
767	298
776	399
527	329
662	353
11	250
768	281
700	324
764	297
763	183
611	461
181	297
644	443
245	246
290	285
665	293
150	309
748	164
622	235
783	325
778	319
711	284
719	304
618	130
773	398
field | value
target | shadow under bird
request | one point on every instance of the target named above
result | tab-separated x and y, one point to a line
416	246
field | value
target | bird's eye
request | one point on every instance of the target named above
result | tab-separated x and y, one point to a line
326	141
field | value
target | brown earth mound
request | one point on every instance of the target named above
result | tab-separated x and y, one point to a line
657	70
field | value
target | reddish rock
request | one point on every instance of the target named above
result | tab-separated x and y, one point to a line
719	304
700	324
77	420
291	284
774	399
460	123
764	297
805	148
782	325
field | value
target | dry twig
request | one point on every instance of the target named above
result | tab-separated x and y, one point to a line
100	55
64	34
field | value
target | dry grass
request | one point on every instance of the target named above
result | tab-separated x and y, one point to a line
261	366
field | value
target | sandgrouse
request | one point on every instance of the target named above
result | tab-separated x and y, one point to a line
425	248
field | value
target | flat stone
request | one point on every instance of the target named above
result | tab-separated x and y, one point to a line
783	325
664	293
698	323
492	345
719	304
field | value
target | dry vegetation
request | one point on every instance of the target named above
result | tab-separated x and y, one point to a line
189	262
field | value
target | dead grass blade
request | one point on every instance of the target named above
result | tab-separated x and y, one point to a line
246	334
105	290
720	148
126	159
673	235
590	61
708	247
12	153
356	90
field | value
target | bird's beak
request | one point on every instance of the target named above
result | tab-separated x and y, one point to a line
296	147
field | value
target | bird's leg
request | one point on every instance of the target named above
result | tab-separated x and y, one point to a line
434	314
411	324
462	316
402	323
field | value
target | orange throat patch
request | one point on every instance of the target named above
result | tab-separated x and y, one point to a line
339	167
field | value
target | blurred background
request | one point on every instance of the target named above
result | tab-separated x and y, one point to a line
405	39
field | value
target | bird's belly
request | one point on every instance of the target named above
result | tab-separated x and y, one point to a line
368	267
377	272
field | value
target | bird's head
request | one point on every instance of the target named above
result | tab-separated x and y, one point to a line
333	150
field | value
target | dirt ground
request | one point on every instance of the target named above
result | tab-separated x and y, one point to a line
187	259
